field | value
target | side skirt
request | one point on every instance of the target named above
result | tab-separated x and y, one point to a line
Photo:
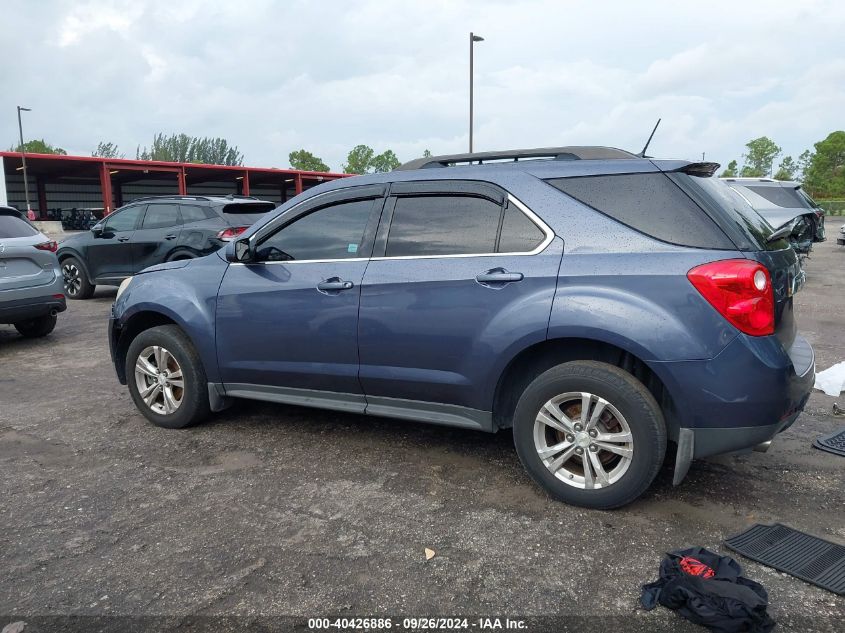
418	411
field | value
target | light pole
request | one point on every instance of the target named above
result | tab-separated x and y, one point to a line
23	159
472	40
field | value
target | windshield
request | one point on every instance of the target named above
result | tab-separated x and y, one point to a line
785	197
750	223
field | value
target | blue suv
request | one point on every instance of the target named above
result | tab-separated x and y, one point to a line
599	303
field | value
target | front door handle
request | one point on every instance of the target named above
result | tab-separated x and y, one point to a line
123	238
171	236
333	285
498	277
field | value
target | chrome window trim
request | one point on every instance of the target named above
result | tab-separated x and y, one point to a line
537	220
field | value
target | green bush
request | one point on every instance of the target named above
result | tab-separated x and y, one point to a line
832	207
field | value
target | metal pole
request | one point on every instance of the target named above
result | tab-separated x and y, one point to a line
23	159
471	42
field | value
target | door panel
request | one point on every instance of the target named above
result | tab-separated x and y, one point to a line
274	327
430	331
157	236
109	254
290	321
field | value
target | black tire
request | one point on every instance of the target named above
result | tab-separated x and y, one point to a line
76	281
194	406
36	328
629	397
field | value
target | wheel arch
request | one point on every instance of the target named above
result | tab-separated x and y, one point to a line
537	358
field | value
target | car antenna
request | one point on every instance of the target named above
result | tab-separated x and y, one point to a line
648	142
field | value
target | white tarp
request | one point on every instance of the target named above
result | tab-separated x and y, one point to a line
831	380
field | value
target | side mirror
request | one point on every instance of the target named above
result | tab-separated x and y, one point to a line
97	230
239	251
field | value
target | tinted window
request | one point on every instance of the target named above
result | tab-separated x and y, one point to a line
443	225
519	233
159	216
191	213
246	213
780	196
335	232
124	220
650	203
11	226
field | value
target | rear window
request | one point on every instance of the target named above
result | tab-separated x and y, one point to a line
751	225
244	214
786	197
649	203
10	226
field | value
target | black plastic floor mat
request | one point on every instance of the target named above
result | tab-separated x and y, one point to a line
804	556
833	443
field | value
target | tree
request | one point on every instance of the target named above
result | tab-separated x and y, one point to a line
750	172
731	170
427	153
760	156
358	160
306	161
787	169
181	148
38	146
386	161
107	150
825	175
804	159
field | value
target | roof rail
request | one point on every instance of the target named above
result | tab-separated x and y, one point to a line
596	152
169	197
237	196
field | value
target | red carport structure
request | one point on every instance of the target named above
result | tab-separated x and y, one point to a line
58	183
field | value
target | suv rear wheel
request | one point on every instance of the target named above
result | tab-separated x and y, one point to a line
166	378
36	328
590	434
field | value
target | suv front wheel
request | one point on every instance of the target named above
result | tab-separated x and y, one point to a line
166	378
590	434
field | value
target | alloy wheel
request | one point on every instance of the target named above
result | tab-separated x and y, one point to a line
159	379
72	279
583	440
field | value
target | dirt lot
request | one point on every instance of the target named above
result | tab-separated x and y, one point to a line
273	511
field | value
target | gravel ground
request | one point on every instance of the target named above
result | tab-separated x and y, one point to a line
270	511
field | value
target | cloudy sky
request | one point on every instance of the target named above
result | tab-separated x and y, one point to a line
272	77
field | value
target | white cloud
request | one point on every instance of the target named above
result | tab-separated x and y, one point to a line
273	77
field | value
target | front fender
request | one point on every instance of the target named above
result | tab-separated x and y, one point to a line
187	295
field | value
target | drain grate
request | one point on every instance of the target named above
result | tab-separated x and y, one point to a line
804	556
833	443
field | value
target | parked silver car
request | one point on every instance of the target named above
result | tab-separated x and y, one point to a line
31	285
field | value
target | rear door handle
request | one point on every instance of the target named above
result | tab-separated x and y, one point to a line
123	238
334	285
171	236
498	277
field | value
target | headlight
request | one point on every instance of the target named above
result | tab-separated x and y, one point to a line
123	286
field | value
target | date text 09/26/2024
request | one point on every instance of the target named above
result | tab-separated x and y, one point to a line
416	624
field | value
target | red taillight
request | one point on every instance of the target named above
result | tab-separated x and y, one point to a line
741	291
227	235
48	246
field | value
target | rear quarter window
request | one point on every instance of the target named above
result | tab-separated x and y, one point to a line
649	203
10	227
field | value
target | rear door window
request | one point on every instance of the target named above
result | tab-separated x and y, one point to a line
443	225
649	203
159	216
10	227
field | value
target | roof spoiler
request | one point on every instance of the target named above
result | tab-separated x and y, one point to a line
702	170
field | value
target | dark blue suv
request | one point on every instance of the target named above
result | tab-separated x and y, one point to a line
598	303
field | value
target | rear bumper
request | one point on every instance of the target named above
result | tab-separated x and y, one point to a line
25	309
753	390
840	241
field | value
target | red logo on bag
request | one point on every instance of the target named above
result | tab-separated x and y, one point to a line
695	567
